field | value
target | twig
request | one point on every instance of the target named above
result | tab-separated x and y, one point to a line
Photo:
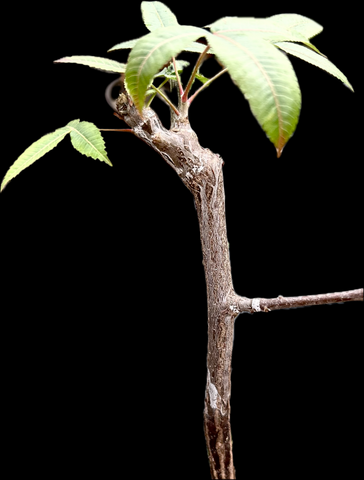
178	78
116	130
206	84
166	99
193	74
243	304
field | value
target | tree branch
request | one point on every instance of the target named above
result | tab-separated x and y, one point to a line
243	304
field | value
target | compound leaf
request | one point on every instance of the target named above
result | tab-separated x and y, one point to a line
87	139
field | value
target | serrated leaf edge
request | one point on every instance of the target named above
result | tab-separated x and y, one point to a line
104	156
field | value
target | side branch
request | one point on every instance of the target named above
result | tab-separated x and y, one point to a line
243	304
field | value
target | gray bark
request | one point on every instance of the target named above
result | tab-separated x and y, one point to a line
201	171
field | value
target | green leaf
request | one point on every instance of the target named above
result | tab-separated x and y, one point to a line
168	72
124	45
264	28
104	64
311	57
156	15
196	47
153	51
87	139
34	152
201	78
260	27
298	24
267	81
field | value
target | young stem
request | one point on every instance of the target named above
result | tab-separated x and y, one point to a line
206	84
166	99
153	96
180	89
193	74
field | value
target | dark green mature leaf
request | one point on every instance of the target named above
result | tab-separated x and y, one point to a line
103	64
311	57
267	80
153	51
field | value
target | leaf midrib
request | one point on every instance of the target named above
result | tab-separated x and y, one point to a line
93	147
63	134
249	30
156	11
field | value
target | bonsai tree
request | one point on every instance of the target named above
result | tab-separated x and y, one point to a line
253	52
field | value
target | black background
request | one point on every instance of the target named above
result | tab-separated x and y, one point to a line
103	291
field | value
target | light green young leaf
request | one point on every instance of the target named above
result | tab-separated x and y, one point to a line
153	51
201	78
87	139
104	64
168	72
194	47
124	45
156	15
311	57
34	152
298	24
267	81
261	27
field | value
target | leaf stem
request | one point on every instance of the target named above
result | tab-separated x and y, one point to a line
116	130
193	74
153	96
178	77
206	84
166	99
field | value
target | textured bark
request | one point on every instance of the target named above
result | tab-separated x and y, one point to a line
201	171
